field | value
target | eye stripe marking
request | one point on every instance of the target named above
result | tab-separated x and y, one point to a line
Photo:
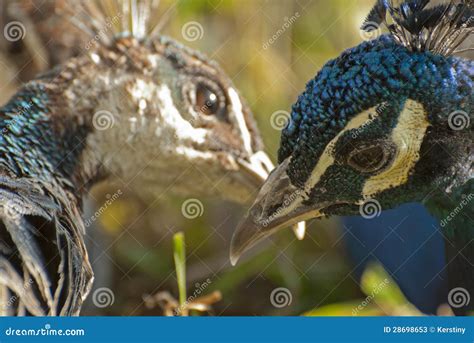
239	115
408	136
171	115
327	158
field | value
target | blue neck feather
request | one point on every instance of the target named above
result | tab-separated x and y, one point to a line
37	140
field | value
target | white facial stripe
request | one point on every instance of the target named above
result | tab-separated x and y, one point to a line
408	137
327	158
239	115
171	116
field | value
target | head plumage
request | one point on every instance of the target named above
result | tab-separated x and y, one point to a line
108	19
440	29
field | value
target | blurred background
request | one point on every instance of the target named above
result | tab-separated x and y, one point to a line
270	49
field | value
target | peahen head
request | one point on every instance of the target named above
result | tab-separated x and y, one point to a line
171	116
386	122
149	111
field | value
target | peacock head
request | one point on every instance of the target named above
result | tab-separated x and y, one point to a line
167	118
385	123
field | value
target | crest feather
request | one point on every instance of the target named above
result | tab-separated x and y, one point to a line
440	29
109	19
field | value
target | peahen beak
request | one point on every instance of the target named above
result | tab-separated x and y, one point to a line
279	204
257	167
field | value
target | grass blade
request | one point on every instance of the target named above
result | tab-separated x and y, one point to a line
180	265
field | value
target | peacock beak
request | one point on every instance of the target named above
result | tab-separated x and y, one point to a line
279	204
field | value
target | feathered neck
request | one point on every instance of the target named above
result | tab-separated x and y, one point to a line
455	212
44	134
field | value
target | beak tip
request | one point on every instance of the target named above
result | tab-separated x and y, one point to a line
234	259
236	251
245	237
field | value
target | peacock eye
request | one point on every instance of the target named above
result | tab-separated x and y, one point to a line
369	159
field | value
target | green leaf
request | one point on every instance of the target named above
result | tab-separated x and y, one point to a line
377	283
180	265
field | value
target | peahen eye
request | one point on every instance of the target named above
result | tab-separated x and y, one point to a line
209	101
369	159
